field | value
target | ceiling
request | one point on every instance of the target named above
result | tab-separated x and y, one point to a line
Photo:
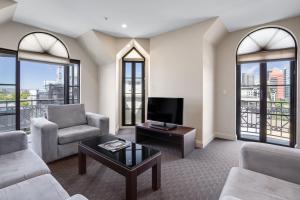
147	18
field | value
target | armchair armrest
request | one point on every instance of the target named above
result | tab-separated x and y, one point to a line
276	161
99	121
12	141
77	197
44	138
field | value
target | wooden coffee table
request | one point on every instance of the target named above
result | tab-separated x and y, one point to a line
129	162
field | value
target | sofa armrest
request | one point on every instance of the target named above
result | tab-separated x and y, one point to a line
99	121
12	141
44	138
276	161
77	197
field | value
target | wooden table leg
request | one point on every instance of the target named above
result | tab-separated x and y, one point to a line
131	186
81	163
156	174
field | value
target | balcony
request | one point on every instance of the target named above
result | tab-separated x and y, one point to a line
278	121
28	109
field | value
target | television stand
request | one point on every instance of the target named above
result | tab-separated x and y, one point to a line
183	137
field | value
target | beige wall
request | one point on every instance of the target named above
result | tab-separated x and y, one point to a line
104	50
226	73
10	35
182	65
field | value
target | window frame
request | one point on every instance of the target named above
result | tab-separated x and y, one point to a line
263	94
17	84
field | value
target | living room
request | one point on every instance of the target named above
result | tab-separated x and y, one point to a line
94	94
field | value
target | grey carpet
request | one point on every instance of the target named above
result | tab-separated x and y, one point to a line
201	175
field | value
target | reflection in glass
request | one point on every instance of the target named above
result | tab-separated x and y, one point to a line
278	102
250	101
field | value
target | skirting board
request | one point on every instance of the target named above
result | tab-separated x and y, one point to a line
226	136
200	144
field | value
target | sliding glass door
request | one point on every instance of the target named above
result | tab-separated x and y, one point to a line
267	101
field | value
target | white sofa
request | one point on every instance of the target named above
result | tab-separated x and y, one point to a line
57	136
24	175
266	172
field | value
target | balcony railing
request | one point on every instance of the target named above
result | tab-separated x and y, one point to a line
28	109
278	118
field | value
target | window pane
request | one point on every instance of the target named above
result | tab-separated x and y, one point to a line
278	73
138	85
76	75
7	69
7	99
76	92
41	84
7	123
71	68
128	85
138	116
128	116
128	70
250	101
138	70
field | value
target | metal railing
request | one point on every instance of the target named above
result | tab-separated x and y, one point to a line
28	109
278	118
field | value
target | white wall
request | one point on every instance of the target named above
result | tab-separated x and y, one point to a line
226	77
12	32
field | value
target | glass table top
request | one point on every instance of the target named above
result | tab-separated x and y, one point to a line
129	157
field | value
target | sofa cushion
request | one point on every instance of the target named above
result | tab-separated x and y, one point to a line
245	184
76	133
19	166
41	187
67	115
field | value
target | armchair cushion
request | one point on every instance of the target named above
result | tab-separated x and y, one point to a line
67	115
19	166
249	185
76	133
43	187
12	141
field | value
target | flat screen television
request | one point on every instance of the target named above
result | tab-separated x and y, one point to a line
165	110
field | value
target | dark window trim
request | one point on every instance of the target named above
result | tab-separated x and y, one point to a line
17	83
263	71
133	109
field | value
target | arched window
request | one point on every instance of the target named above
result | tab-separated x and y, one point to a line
39	73
43	47
266	86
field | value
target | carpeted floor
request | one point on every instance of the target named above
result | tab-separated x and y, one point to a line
201	175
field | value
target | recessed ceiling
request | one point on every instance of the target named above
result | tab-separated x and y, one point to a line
147	18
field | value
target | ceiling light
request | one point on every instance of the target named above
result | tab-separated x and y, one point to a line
124	25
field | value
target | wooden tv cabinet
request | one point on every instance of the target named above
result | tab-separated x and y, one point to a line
182	136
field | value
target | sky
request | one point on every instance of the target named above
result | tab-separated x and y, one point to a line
33	74
253	68
138	70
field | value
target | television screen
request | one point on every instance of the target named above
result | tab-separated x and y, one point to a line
168	110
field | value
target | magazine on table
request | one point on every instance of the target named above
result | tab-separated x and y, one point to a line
115	145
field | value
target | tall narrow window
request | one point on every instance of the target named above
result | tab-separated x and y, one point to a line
7	90
133	88
266	87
